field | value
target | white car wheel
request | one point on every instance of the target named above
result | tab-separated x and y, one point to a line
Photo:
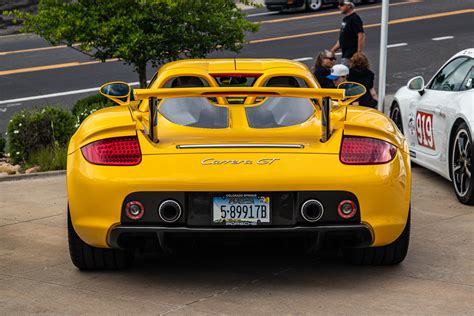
396	116
461	165
314	5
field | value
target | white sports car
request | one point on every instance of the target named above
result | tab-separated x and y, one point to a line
438	120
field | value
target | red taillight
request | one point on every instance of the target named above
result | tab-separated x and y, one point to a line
120	151
366	151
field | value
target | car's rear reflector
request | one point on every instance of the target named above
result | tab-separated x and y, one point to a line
134	210
119	151
347	209
366	151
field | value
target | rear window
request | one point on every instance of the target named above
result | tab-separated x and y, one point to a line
186	82
286	82
235	80
194	112
279	112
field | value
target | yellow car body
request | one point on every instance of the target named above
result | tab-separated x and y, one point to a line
182	162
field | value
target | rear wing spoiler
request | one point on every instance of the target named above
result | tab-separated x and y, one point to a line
121	93
325	95
311	93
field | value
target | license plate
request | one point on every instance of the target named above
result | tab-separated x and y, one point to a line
241	209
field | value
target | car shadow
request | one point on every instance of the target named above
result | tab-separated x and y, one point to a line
238	265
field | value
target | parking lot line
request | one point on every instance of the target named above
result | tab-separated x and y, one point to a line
54	66
59	94
442	38
38	49
262	14
397	45
303	59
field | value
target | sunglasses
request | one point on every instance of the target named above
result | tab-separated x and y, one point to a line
331	58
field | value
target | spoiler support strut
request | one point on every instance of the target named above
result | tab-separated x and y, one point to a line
152	102
325	119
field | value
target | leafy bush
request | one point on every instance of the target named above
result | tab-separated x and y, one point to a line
2	145
49	158
31	130
84	107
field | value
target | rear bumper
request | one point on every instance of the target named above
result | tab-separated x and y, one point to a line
354	235
97	194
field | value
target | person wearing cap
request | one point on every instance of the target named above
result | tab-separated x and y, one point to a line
338	74
322	68
352	36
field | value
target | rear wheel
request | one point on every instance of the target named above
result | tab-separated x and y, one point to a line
461	165
86	257
396	116
391	254
314	5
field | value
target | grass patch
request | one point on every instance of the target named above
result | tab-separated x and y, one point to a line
49	158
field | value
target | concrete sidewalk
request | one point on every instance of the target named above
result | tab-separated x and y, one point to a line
36	275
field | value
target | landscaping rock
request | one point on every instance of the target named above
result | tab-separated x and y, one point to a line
33	169
8	168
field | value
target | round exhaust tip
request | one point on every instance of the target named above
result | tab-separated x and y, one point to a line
312	210
169	211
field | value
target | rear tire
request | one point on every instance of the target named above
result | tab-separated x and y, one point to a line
391	254
314	5
461	164
86	257
396	116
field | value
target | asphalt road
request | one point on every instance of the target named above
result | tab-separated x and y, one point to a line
36	275
30	71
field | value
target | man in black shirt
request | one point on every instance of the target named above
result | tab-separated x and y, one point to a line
351	37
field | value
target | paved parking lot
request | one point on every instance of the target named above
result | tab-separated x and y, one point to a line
36	275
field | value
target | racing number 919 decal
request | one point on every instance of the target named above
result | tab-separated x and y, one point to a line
424	129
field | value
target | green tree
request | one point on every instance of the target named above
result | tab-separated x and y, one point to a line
141	32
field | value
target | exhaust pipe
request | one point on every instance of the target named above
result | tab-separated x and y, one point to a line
169	211
312	210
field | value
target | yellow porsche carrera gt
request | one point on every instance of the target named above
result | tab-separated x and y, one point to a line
236	146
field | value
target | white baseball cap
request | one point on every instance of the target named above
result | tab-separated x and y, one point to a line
343	2
338	71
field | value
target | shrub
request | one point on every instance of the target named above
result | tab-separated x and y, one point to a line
31	130
84	107
2	146
49	158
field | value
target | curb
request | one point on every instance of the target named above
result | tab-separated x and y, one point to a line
38	175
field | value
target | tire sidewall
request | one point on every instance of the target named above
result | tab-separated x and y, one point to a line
468	198
318	6
394	107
